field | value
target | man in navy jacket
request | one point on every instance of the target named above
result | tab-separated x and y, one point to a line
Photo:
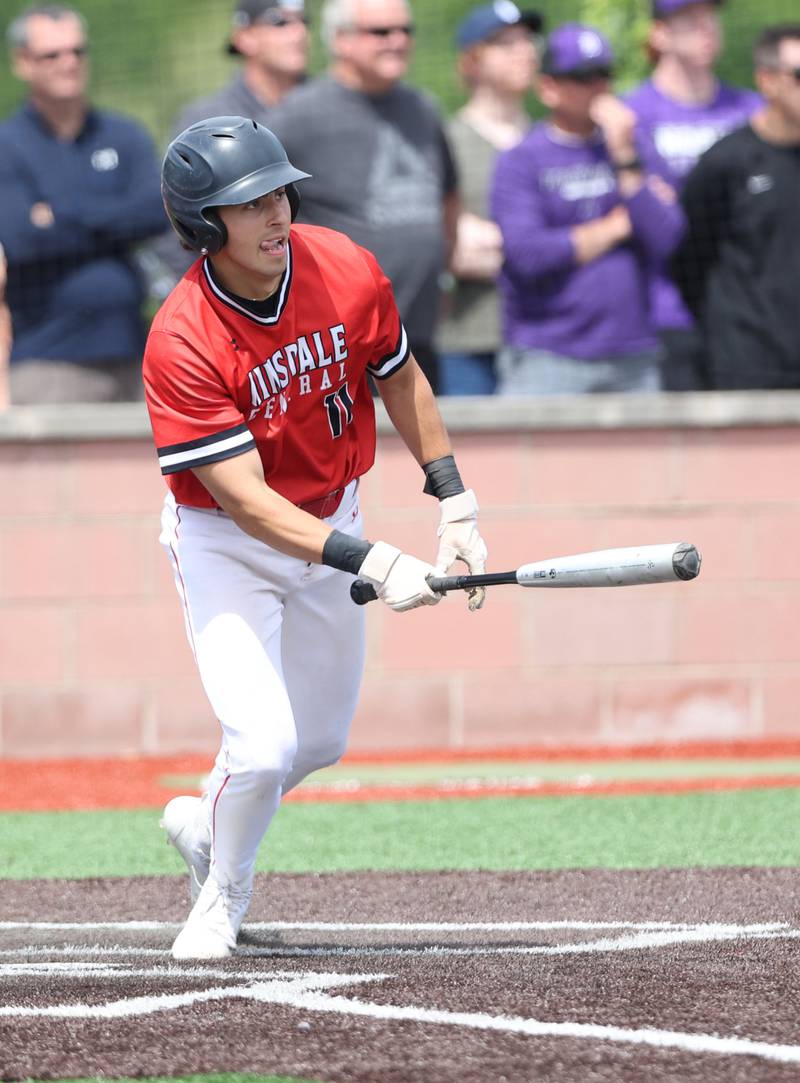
79	188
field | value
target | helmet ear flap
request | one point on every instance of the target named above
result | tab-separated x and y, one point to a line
216	236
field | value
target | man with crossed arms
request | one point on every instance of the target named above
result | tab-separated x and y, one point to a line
256	382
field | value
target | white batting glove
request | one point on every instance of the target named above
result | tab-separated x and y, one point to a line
399	579
459	540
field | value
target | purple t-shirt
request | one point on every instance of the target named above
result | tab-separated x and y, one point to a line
680	134
542	189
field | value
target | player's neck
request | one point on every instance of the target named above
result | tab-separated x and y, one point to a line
683	83
242	282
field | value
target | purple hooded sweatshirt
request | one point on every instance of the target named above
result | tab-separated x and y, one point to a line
680	134
545	186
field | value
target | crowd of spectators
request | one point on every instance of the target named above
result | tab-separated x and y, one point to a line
635	243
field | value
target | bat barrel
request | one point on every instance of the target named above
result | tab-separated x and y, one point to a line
630	566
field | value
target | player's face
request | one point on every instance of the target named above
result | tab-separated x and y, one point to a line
507	62
377	47
693	34
279	44
254	256
54	62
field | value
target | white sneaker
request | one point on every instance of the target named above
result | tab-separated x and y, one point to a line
212	927
186	822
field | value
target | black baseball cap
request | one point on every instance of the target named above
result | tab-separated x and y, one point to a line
248	12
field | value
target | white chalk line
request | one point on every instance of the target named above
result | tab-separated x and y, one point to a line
304	992
664	1039
639	940
148	1005
384	926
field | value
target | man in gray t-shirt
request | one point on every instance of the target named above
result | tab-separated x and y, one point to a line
380	166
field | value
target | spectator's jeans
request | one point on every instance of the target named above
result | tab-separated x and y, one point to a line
467	374
538	372
34	382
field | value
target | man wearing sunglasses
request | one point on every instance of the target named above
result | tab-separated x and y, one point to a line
272	39
381	168
80	187
738	267
584	211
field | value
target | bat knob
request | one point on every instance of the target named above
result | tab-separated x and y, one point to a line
686	561
362	592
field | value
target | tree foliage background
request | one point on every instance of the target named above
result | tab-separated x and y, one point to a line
151	56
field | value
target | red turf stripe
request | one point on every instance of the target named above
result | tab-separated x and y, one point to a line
51	785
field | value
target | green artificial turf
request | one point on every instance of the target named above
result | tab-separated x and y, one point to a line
746	827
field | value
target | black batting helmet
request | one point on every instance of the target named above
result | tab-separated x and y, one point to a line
217	163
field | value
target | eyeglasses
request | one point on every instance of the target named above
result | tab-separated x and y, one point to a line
78	51
386	31
588	75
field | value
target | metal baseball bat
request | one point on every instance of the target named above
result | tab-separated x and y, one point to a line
627	567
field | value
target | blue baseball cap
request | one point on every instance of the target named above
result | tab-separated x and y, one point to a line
662	9
484	22
575	47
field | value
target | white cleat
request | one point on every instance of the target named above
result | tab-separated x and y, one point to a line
186	823
213	925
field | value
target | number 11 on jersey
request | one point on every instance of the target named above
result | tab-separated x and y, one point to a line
339	405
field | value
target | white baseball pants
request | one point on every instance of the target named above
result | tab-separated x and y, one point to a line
280	650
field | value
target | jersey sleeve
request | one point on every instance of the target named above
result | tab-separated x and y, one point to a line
391	349
194	418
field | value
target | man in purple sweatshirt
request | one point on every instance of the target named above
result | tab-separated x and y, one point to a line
586	215
684	109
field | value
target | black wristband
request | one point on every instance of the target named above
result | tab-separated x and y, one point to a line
345	553
634	165
442	478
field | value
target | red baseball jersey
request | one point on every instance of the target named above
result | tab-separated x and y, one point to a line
288	378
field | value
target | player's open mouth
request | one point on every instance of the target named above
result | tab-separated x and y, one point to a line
275	246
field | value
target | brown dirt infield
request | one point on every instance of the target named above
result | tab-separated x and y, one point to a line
350	1004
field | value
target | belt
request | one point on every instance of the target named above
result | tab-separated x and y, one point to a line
325	506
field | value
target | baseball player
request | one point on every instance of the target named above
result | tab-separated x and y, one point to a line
256	379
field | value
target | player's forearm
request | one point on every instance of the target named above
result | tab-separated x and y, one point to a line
264	514
412	409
